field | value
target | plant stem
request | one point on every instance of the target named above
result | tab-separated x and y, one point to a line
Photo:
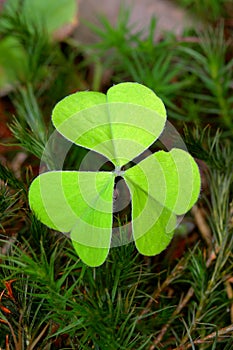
183	302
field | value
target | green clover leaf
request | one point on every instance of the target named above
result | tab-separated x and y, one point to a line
120	126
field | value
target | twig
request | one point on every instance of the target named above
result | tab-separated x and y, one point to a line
211	258
203	227
12	331
7	343
177	271
229	291
183	302
218	334
35	341
7	245
16	164
20	335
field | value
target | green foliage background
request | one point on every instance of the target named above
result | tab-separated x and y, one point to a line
181	299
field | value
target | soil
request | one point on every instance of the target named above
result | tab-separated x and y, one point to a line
170	17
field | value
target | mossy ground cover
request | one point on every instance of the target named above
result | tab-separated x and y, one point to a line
179	299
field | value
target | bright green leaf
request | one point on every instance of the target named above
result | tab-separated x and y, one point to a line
80	203
162	186
120	125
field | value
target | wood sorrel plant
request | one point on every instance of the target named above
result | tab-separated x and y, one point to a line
119	126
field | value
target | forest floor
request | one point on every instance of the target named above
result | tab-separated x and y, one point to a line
170	16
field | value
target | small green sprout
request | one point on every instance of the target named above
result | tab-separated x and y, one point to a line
120	126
